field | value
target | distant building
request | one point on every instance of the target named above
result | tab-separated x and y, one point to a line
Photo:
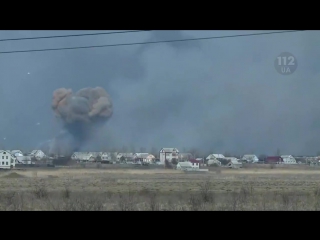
195	163
169	154
234	163
23	160
215	157
251	158
184	166
184	157
144	157
37	154
273	160
106	157
17	153
288	159
7	160
214	162
128	157
82	156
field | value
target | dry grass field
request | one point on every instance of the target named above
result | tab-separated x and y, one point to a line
157	189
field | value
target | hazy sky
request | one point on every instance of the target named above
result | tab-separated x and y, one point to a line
216	95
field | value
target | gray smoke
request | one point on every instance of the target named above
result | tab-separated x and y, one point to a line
82	113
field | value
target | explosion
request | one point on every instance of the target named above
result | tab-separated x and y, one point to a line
82	114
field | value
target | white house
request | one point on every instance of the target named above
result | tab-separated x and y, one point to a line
128	157
145	157
82	156
108	157
234	164
232	158
288	159
7	161
250	158
168	154
195	163
37	154
23	160
213	162
17	153
184	166
184	157
215	157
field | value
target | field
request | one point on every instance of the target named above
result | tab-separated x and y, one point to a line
159	189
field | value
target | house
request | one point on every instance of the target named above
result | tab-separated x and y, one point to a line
232	158
201	160
184	166
215	156
251	158
234	163
17	153
94	156
37	154
128	157
7	160
106	157
195	163
273	160
184	157
288	159
144	157
82	156
23	160
214	162
169	154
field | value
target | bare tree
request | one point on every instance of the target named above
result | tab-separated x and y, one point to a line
194	152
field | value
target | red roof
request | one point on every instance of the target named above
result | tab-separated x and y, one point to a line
274	159
194	161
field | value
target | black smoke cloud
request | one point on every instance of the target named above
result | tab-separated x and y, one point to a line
82	114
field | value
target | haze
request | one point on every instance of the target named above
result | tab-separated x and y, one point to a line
214	95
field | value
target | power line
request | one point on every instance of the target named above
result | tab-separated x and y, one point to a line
149	42
71	35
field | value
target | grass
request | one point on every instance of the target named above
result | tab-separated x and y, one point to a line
146	190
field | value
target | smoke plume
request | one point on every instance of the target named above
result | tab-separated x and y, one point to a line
82	114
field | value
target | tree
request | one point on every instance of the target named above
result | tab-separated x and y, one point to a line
122	159
194	152
174	161
278	152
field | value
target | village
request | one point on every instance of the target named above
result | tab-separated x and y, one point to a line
167	158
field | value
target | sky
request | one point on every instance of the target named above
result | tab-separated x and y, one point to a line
218	95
